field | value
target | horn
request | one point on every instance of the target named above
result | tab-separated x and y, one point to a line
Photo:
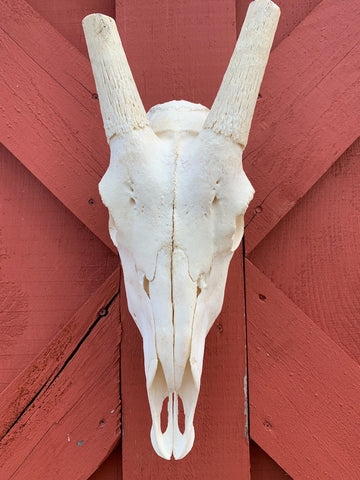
234	105
121	107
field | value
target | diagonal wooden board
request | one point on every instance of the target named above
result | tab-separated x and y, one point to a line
307	115
304	389
61	416
53	123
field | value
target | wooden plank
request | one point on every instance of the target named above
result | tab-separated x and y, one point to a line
304	390
313	254
221	438
67	18
110	468
177	50
53	124
307	115
62	415
38	386
263	467
50	263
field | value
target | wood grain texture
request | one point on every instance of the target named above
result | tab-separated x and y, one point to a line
67	401
177	50
52	122
221	444
304	390
16	398
310	88
50	264
263	467
313	253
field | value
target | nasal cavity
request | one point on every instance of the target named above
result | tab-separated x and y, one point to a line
164	415
181	415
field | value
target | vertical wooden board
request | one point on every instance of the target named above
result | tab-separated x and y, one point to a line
313	253
263	467
50	264
177	50
221	439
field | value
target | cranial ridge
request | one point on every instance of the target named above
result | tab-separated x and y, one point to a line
177	194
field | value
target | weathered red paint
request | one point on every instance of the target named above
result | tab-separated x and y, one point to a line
53	123
263	467
315	254
311	87
64	410
304	389
50	264
179	50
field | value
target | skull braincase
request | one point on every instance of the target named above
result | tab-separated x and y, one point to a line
177	193
176	216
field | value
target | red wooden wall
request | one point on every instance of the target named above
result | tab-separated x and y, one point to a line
63	406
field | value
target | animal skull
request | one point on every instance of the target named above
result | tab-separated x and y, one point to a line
177	195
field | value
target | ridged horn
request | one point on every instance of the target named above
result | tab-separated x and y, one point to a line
121	107
234	105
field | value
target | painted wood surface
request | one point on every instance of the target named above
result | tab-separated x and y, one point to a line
311	87
66	17
21	392
44	249
263	467
67	409
303	388
179	50
314	255
50	264
53	123
111	468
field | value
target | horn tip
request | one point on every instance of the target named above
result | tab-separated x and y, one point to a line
97	22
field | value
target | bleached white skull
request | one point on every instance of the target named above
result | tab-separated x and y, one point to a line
177	195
